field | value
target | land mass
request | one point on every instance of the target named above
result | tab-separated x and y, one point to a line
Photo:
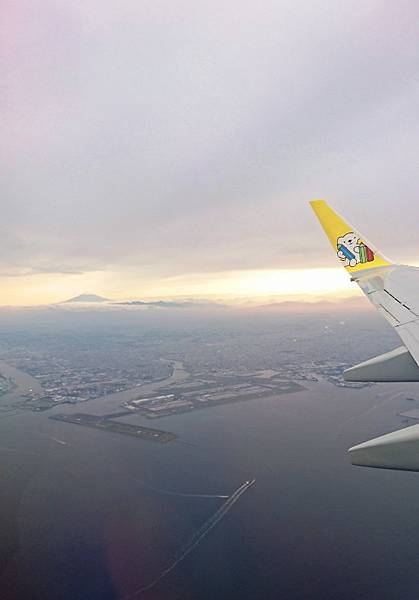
106	424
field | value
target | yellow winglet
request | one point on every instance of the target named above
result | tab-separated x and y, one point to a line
350	247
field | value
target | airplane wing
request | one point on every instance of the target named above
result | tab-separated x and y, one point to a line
394	290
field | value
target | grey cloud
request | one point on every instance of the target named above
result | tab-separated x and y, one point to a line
168	138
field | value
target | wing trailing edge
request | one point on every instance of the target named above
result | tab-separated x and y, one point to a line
395	366
396	450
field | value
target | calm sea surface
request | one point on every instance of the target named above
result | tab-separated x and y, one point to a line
79	518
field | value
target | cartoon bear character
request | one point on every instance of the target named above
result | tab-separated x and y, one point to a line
348	249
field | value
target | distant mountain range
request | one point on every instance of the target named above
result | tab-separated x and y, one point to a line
95	298
169	304
354	303
86	298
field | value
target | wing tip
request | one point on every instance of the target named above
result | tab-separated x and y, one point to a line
317	202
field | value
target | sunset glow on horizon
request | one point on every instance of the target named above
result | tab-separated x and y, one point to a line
234	286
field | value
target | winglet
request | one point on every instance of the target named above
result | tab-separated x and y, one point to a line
351	249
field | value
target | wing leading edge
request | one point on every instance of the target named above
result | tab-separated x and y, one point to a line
394	290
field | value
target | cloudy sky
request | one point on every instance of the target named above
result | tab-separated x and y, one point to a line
154	148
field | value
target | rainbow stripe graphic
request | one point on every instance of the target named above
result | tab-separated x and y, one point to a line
365	254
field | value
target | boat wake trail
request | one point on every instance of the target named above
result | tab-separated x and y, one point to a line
181	494
196	538
57	441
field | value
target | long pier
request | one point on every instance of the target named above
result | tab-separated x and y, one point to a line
197	537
